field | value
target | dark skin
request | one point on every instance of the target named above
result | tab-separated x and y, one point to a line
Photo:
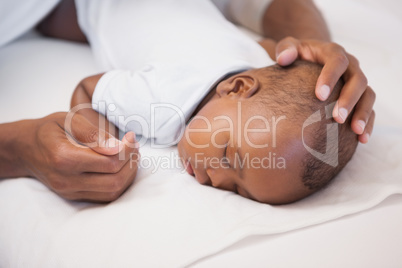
281	20
245	135
295	35
40	144
62	23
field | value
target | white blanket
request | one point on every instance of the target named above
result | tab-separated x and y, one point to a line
166	218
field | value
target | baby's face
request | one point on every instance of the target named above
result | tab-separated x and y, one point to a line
235	145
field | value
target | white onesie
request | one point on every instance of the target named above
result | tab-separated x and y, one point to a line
162	58
19	16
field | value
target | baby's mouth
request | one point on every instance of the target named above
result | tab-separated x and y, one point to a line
189	168
200	179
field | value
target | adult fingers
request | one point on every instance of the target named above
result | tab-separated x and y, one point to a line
92	136
111	183
364	138
69	157
332	56
98	163
363	110
102	187
335	63
352	91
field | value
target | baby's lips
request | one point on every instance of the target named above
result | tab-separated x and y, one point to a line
189	168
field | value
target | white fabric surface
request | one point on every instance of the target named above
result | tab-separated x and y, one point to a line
168	53
166	218
19	16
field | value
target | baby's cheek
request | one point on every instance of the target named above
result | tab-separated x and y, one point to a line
196	136
257	140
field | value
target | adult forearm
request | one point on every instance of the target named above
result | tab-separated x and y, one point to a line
297	18
11	164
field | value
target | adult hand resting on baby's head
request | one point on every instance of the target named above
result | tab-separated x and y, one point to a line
337	63
80	162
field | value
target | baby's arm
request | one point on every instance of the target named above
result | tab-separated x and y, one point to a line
82	96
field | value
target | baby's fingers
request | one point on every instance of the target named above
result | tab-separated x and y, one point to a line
363	111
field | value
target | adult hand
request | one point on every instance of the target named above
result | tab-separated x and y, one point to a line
337	63
79	162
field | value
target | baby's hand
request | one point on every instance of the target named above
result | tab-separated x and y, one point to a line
337	63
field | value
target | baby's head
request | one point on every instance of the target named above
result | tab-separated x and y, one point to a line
264	135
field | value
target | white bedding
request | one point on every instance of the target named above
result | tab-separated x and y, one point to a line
166	218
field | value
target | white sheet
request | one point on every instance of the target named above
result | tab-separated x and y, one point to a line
166	218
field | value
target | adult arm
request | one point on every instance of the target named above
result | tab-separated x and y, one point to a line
62	23
10	162
300	19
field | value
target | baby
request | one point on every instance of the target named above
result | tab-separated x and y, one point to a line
179	72
256	135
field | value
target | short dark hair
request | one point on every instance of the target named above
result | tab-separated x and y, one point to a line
291	91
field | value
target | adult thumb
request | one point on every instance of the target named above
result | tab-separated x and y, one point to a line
286	51
89	135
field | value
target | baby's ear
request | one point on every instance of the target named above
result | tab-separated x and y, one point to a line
241	86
